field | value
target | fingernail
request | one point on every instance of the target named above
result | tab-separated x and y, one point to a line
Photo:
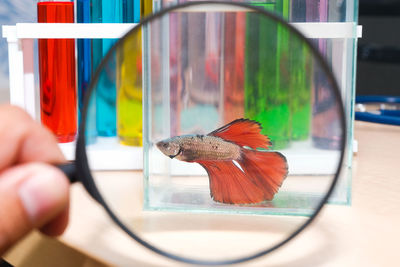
41	193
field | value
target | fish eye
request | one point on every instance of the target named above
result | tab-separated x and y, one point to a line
165	145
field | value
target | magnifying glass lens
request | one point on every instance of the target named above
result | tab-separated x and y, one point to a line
233	116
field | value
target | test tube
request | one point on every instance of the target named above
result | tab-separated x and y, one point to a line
84	52
234	55
267	98
325	123
105	11
57	73
85	71
301	76
146	7
129	81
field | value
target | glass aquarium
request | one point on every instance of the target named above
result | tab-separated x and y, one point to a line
291	124
210	68
242	113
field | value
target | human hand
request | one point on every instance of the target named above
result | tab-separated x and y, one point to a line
33	193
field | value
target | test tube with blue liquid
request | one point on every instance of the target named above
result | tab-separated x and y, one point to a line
105	11
84	52
85	70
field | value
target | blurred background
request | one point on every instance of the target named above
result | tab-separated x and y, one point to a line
378	69
11	12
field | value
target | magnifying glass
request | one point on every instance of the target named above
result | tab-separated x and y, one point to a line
239	110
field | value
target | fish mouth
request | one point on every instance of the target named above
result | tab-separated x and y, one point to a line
160	144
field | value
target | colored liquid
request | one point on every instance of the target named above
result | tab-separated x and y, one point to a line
57	74
84	53
284	71
175	53
129	81
326	129
284	77
129	97
146	7
301	80
266	76
201	90
85	70
131	11
234	52
300	89
106	11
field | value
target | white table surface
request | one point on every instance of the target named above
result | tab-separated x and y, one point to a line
363	234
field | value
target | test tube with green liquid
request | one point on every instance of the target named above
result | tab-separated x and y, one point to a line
300	82
300	90
267	79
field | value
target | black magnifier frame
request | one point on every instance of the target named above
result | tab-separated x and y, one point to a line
79	170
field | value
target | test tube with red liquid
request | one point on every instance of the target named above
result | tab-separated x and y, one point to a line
58	96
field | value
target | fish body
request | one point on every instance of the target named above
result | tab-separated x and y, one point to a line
238	172
194	148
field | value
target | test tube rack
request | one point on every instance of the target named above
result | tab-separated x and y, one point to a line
23	91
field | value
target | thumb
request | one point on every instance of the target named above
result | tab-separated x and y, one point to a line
31	196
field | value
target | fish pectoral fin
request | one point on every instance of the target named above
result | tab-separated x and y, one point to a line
231	185
243	132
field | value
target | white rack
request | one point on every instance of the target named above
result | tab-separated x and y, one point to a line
107	154
20	52
22	83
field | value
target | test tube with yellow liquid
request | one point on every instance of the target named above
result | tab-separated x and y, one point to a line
129	81
129	95
146	7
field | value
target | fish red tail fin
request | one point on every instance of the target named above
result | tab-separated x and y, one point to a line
256	177
229	184
265	169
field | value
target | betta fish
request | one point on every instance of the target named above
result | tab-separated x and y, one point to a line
238	172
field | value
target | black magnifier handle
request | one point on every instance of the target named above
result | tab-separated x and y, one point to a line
69	169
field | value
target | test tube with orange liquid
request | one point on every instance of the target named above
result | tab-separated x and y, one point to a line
57	73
